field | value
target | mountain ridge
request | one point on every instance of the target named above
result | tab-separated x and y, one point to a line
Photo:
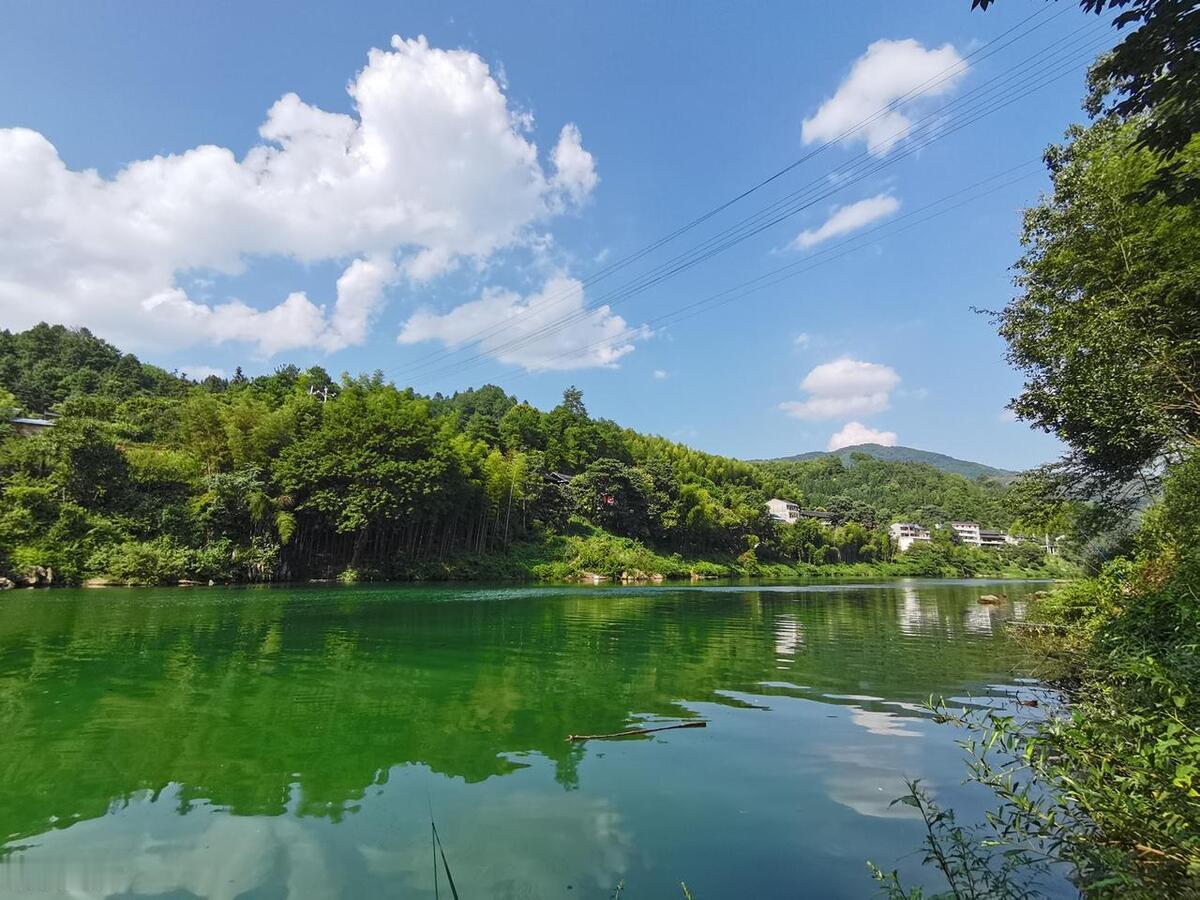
944	462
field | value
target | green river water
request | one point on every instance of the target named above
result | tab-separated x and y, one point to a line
292	741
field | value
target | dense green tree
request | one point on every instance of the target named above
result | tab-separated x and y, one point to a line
85	463
1152	79
9	406
615	496
1105	329
49	363
202	430
878	492
370	460
521	428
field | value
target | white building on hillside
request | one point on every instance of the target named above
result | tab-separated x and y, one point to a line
791	513
905	534
967	532
988	538
971	533
783	510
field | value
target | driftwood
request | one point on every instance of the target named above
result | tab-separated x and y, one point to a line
633	731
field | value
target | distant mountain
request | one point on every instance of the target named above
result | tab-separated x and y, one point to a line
908	454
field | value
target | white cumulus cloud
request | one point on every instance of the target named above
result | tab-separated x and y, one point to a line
844	387
598	339
575	169
432	167
887	72
845	219
854	433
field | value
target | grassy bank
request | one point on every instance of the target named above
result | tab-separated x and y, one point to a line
584	552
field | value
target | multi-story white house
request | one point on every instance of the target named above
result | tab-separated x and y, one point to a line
783	510
791	513
967	532
971	533
905	534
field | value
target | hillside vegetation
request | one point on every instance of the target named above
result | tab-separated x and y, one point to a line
964	467
150	477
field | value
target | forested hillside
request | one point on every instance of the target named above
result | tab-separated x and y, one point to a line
897	490
148	476
964	467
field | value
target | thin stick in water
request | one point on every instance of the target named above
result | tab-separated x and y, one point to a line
633	731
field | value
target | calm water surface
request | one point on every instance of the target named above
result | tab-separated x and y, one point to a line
290	742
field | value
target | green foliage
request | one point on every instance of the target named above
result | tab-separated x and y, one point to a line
160	561
890	491
289	476
1150	78
9	406
49	363
966	468
968	858
1105	329
614	496
1108	782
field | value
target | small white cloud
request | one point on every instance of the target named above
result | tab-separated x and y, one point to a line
888	71
598	338
844	387
1007	416
575	169
855	433
802	340
849	218
660	374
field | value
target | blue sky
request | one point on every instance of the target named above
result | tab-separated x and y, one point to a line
518	150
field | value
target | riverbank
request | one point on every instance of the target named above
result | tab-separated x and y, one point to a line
582	553
588	554
1106	780
585	554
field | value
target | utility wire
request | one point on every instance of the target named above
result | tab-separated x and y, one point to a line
1041	76
982	52
707	250
791	270
755	225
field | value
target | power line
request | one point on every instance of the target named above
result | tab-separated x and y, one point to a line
791	270
707	249
1042	75
982	52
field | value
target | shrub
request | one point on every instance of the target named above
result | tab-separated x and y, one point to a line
160	561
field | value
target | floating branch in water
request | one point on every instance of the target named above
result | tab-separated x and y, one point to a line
633	731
